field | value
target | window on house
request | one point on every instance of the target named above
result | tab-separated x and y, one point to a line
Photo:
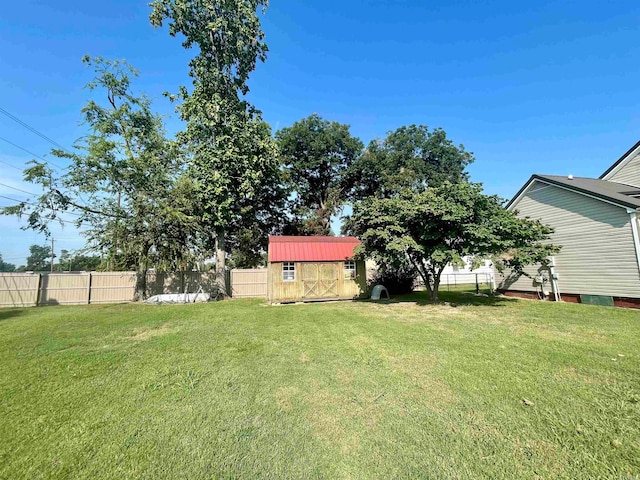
288	272
349	270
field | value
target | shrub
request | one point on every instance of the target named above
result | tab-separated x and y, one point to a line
397	280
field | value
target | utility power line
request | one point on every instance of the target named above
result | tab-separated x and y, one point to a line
33	204
43	136
30	153
17	189
12	166
31	129
16	200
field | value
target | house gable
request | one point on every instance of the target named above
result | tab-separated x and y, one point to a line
598	254
617	194
627	169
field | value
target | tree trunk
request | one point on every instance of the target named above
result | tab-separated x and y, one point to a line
221	274
141	276
424	274
434	290
141	282
436	284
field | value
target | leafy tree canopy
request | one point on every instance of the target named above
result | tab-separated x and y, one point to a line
124	183
439	225
39	259
77	262
230	150
410	157
317	154
6	267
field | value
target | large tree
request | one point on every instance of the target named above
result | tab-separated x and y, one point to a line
6	267
232	157
409	157
437	226
123	184
317	154
76	262
39	259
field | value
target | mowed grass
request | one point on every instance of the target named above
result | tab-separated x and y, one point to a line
238	389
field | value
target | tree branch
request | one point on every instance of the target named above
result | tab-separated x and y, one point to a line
84	208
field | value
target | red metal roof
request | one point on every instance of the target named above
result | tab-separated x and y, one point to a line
311	249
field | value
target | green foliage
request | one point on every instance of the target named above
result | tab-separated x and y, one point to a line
410	157
317	154
231	154
440	225
77	262
123	182
398	280
5	266
39	259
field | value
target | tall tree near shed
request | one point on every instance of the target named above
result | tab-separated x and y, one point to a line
231	154
317	154
409	157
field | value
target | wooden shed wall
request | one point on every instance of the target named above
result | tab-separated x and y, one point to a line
298	290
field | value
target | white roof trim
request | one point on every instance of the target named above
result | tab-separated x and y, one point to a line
622	163
527	188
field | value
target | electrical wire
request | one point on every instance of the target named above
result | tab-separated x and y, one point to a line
31	129
33	204
16	200
30	153
41	135
12	166
17	189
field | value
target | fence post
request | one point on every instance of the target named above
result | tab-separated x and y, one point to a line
477	286
38	289
89	289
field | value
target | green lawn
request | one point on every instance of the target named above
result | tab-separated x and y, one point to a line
237	389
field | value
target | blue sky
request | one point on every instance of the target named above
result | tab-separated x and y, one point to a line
545	87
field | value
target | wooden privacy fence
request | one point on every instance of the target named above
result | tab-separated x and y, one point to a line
31	289
249	282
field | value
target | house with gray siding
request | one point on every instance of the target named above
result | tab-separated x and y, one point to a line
596	222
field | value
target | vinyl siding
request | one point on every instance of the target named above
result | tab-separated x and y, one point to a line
598	254
629	174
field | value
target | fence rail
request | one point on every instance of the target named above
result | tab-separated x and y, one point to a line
81	288
481	281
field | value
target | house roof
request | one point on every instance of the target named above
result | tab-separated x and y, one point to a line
613	192
311	249
622	160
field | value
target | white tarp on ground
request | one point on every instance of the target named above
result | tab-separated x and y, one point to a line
179	298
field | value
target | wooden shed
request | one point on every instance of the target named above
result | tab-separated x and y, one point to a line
314	268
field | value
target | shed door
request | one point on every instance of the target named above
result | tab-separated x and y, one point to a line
320	280
329	280
310	280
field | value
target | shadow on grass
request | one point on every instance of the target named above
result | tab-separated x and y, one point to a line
7	313
457	298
